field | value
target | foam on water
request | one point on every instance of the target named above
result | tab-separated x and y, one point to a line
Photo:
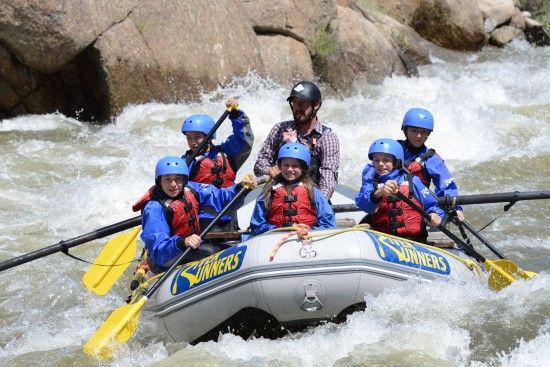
61	178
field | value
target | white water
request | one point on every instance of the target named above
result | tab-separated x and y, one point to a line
61	178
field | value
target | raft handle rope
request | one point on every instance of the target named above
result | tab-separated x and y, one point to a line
301	231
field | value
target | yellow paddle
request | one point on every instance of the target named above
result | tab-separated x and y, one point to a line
122	323
113	260
498	277
504	263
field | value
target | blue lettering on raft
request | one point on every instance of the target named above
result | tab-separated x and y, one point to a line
208	269
407	253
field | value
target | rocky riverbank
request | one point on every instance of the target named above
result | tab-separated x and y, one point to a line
89	59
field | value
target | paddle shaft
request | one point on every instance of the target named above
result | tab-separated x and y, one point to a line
63	246
208	137
204	232
482	239
503	197
468	248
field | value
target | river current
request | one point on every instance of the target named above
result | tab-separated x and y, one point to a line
61	178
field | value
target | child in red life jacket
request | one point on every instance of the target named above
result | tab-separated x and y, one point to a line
421	161
170	213
291	198
218	164
388	213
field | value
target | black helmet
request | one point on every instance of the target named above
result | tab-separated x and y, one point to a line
305	90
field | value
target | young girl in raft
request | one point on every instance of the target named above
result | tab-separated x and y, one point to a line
291	198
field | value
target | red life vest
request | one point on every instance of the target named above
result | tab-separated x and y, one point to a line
393	216
418	167
217	172
291	207
182	214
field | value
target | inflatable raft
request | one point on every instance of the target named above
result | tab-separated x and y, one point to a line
291	278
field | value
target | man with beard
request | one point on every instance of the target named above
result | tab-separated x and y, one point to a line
306	128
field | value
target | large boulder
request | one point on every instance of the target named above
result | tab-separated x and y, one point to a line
46	34
173	51
499	10
361	53
452	24
301	20
163	51
285	59
411	45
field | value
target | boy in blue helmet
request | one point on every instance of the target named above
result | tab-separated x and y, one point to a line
291	198
218	164
170	213
421	161
388	213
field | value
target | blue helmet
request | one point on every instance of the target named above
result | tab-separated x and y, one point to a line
388	146
171	166
418	117
295	150
202	123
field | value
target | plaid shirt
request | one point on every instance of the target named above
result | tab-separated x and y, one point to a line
326	152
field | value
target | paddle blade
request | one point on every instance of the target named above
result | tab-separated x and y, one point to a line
118	328
511	268
111	263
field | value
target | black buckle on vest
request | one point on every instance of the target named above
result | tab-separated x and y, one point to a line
395	225
188	207
398	211
393	198
216	169
192	220
218	182
288	224
291	198
289	212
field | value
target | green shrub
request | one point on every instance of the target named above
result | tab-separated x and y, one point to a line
323	44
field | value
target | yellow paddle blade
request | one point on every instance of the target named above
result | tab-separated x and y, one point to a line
111	263
498	278
511	268
118	328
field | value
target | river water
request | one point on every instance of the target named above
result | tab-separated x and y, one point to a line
61	178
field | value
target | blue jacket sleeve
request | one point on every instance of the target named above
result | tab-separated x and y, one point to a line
258	222
325	214
156	234
426	198
443	181
238	146
363	199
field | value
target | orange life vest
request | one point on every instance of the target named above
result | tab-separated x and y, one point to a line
418	167
393	216
291	207
182	214
217	172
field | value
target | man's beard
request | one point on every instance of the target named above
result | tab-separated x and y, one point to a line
304	119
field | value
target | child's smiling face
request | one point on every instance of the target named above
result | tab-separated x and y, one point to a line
383	163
